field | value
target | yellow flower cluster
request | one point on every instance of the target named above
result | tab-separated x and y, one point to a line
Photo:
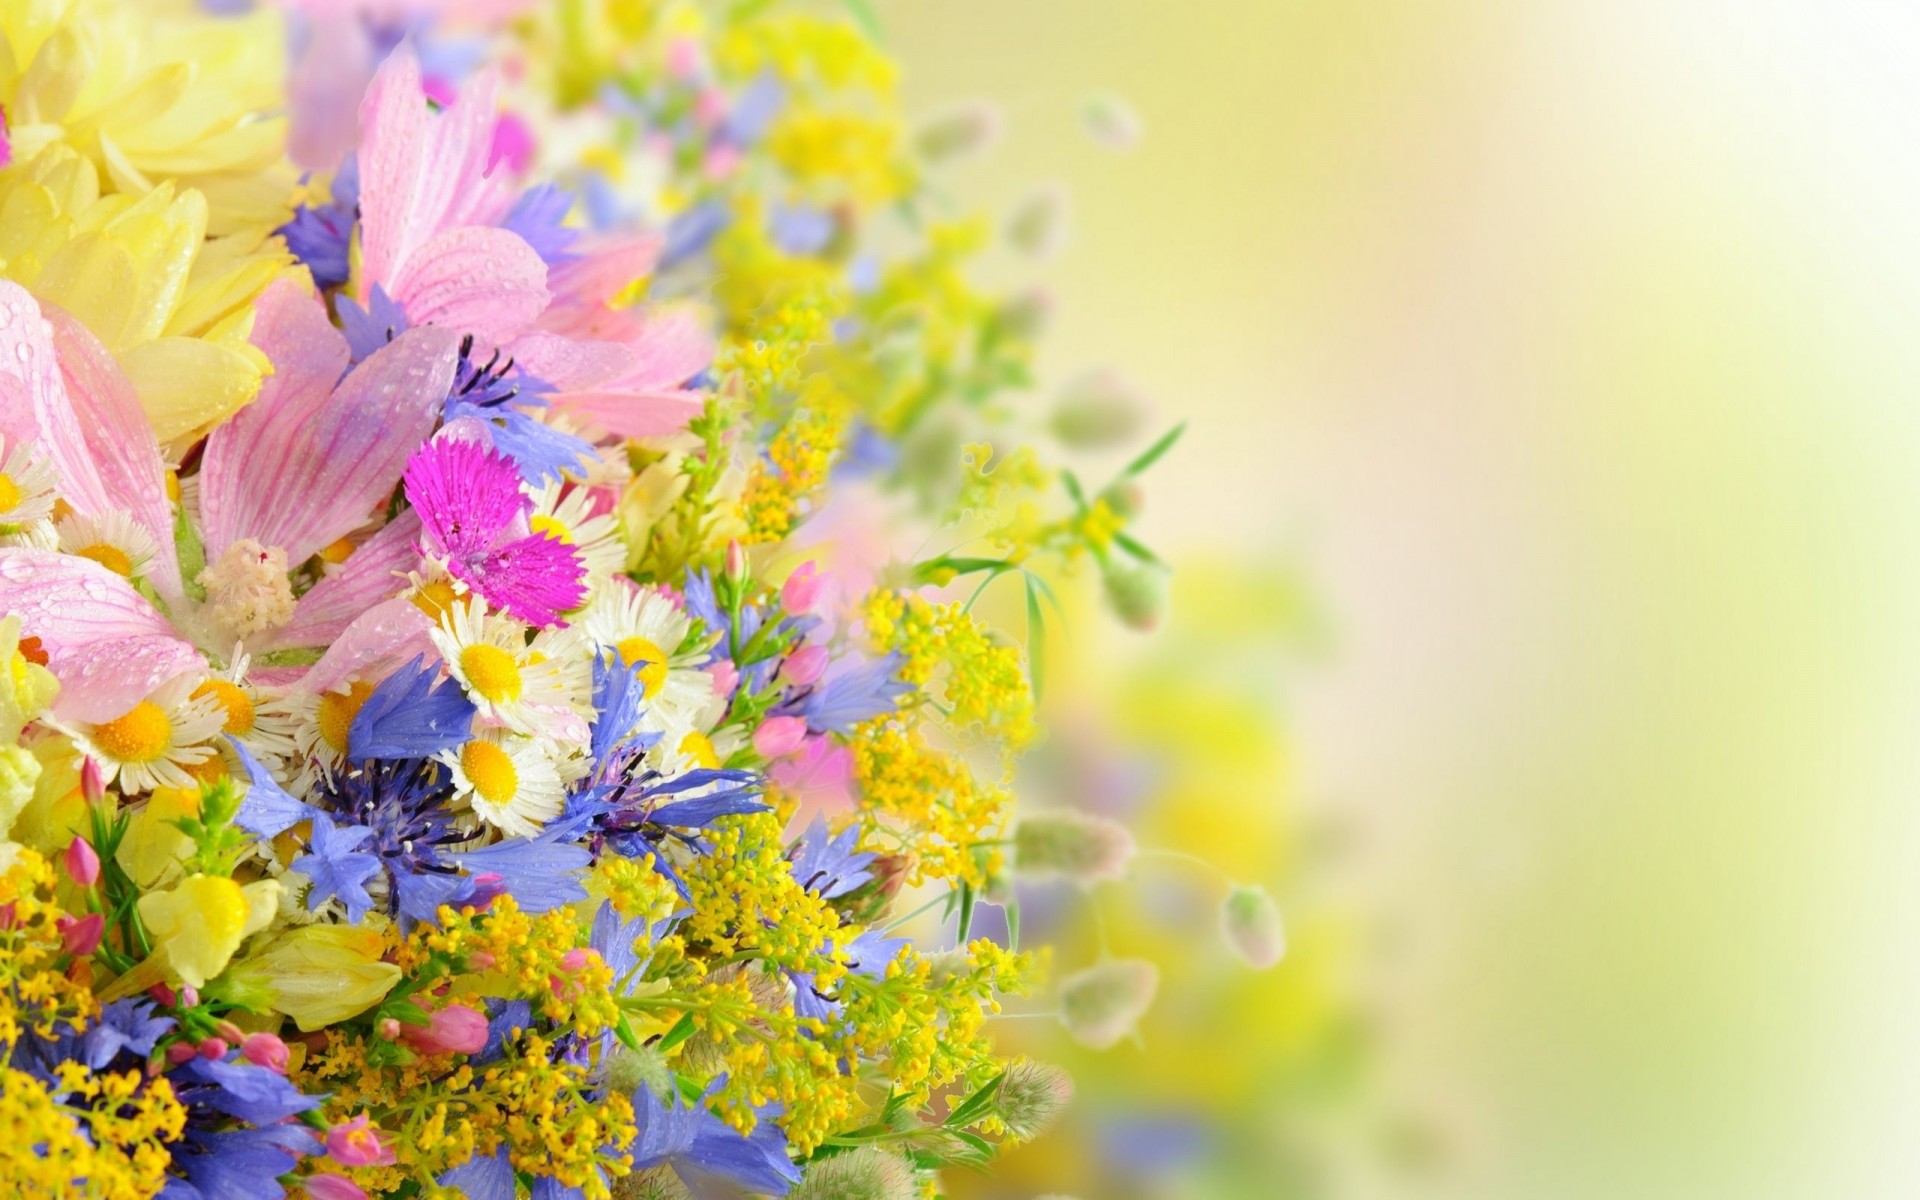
983	686
926	1019
745	899
35	997
929	803
634	888
525	956
103	1140
798	460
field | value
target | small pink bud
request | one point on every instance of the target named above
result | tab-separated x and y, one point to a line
265	1050
736	561
805	665
481	960
802	589
213	1048
162	995
455	1029
179	1052
80	936
83	865
189	997
779	736
93	781
228	1030
389	1028
358	1144
332	1187
725	676
575	959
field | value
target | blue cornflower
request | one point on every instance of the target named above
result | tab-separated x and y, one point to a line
129	1025
539	217
500	394
267	809
853	690
338	867
320	236
219	1162
705	1151
830	866
367	329
414	713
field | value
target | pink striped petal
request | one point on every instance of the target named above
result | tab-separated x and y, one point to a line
604	268
381	638
373	573
632	414
106	645
323	86
421	173
306	464
487	282
46	417
570	364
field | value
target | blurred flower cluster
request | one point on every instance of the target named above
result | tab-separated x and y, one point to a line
468	726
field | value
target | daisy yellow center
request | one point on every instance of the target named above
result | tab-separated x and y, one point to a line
141	734
238	704
113	558
9	491
699	747
435	597
491	672
651	659
550	526
337	711
491	772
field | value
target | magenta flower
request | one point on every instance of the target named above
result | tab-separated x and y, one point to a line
473	517
455	1029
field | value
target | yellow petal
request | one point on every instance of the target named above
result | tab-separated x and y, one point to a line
197	925
186	384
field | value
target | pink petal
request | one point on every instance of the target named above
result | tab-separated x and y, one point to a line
421	173
106	645
330	76
570	364
632	414
125	456
308	462
37	407
373	573
487	282
536	578
605	268
381	638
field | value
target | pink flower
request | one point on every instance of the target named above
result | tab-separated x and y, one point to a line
83	865
779	736
265	1050
455	1029
805	665
214	1048
725	677
473	516
513	143
801	590
80	936
332	1187
820	774
358	1144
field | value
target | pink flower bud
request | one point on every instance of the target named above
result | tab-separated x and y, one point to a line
455	1029
358	1144
93	781
190	997
332	1187
80	936
213	1048
389	1028
802	589
736	561
805	665
779	736
575	959
481	960
725	676
83	865
265	1050
228	1030
162	995
179	1052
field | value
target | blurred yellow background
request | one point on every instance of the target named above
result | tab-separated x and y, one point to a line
1563	346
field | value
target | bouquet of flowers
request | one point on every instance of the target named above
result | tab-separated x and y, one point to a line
465	730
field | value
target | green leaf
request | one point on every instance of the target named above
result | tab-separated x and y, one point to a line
623	1030
1072	484
1154	451
1013	926
408	1011
1036	640
983	1150
681	1031
975	1105
966	911
1136	549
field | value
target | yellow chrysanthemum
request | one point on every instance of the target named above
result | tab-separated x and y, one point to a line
153	90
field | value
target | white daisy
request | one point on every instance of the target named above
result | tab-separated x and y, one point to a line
644	629
595	539
151	744
319	725
26	489
113	539
510	782
266	730
508	681
684	749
